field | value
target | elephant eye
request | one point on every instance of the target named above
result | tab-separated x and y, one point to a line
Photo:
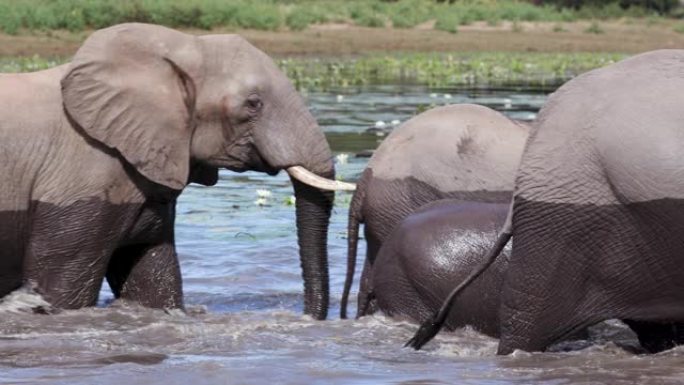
254	102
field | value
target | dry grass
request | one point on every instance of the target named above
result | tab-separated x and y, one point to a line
344	39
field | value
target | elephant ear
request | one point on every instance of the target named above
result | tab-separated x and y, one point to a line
131	88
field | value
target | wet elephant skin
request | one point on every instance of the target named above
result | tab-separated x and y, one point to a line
409	194
65	238
606	261
441	243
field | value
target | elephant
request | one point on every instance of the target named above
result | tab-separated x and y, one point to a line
460	151
95	152
441	242
597	216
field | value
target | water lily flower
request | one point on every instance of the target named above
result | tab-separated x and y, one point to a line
262	193
261	201
396	122
342	158
380	124
508	103
447	96
340	98
433	95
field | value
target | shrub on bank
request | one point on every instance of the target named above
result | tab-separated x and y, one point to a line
448	22
662	7
301	17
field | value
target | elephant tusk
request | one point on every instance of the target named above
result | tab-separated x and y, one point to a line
307	177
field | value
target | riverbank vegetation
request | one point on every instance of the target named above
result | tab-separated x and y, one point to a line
78	15
476	69
481	69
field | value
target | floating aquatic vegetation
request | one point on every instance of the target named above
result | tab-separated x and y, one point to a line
463	69
290	200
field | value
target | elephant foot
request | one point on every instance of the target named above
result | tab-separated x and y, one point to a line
368	305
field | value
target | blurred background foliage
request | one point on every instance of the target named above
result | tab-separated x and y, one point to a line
78	15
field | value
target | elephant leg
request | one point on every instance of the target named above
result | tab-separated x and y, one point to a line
540	312
366	304
548	294
12	248
149	275
69	247
656	337
531	328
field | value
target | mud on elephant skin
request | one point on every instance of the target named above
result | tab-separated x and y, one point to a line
95	152
598	211
437	245
460	151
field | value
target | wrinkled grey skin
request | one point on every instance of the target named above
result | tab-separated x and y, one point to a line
94	154
598	210
437	245
460	151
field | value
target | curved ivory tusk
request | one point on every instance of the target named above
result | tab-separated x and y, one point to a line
307	177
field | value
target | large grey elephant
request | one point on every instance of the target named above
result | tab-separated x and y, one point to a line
460	151
94	153
441	243
597	218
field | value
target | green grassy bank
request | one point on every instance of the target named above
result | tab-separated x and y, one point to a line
76	15
481	69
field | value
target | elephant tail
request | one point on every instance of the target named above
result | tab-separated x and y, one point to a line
429	329
355	218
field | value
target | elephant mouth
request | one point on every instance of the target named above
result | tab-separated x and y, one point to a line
246	160
256	162
259	163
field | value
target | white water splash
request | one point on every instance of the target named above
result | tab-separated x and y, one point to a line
24	300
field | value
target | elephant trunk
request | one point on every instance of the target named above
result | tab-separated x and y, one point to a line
313	208
296	143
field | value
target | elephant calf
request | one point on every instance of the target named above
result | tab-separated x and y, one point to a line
439	244
460	151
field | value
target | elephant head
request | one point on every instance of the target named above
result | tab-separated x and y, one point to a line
177	107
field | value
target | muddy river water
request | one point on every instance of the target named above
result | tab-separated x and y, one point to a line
243	290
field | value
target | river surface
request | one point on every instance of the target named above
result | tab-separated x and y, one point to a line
243	290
